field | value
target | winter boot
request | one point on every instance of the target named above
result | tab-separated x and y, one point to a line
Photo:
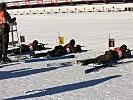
0	57
6	59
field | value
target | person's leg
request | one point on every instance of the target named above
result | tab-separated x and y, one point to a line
5	47
38	55
24	48
101	59
16	51
0	49
5	40
107	57
59	52
86	61
1	32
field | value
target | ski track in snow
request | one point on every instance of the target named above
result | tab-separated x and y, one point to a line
36	81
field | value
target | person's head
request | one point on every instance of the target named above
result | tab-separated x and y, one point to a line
35	43
72	42
3	6
123	47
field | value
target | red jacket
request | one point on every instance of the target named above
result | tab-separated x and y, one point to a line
31	46
119	52
69	48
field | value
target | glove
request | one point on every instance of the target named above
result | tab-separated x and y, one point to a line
13	19
78	48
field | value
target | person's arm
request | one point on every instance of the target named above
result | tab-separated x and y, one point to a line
73	50
126	54
8	18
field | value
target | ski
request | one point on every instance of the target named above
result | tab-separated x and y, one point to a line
98	67
9	62
27	53
109	64
47	59
67	63
20	58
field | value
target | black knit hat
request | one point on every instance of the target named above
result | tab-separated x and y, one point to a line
2	5
72	42
124	47
35	42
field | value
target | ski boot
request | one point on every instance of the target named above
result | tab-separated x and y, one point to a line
0	58
6	59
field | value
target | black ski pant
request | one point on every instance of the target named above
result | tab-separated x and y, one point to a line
4	39
57	51
102	59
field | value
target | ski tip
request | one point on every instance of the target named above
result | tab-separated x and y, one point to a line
86	72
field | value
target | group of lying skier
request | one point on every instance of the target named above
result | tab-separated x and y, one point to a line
60	50
5	21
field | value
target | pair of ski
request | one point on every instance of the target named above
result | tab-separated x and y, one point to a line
17	59
9	62
30	60
110	64
26	59
93	68
67	63
102	66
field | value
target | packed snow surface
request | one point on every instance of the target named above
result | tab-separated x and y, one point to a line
36	81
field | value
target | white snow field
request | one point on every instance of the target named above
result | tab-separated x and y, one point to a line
36	81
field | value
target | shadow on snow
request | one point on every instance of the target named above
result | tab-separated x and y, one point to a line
8	64
25	72
64	88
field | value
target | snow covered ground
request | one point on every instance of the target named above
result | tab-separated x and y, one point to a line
36	81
